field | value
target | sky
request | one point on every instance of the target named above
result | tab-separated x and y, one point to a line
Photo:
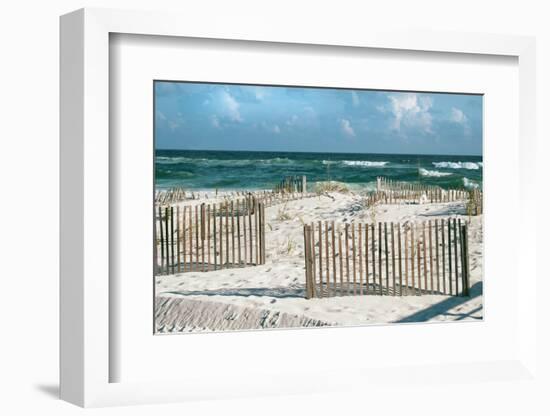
200	116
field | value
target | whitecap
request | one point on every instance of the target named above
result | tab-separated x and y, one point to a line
433	173
458	165
364	163
470	184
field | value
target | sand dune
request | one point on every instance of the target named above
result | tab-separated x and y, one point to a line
277	288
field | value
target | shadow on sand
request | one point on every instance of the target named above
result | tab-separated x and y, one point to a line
443	307
280	293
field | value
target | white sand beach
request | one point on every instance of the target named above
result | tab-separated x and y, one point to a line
272	295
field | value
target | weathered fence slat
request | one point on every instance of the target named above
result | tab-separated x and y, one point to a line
424	256
407	259
333	256
412	259
341	261
347	257
367	258
466	270
455	255
443	255
380	270
320	259
399	258
354	259
197	252
373	252
393	259
450	257
431	257
360	247
327	262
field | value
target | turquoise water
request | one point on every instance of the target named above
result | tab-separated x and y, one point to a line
229	170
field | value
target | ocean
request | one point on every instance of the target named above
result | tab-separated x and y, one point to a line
238	170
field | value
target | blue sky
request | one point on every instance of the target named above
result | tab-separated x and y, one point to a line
238	117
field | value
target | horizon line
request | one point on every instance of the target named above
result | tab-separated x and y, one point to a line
343	153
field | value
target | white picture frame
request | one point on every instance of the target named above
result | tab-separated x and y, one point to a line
86	355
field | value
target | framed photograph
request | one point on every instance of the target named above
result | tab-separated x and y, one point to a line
231	200
295	207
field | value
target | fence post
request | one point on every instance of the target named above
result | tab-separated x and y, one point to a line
327	261
306	259
197	236
466	260
161	267
232	233
450	256
203	234
179	237
167	234
333	256
263	233
312	260
386	258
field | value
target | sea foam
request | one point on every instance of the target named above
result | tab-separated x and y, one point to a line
458	165
470	184
433	173
364	163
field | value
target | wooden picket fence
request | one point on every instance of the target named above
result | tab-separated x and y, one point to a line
386	184
416	196
174	195
389	191
209	237
292	184
389	259
171	196
475	202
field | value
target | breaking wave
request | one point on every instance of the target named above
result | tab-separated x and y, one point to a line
458	165
164	160
363	163
470	184
433	173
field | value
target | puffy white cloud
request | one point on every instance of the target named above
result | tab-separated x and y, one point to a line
347	129
457	116
231	106
173	122
276	129
411	110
